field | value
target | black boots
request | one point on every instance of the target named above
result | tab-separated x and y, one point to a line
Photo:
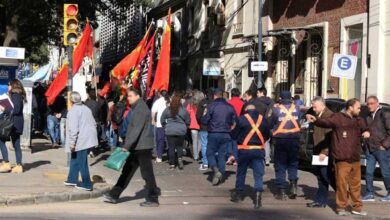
282	195
258	200
293	189
236	196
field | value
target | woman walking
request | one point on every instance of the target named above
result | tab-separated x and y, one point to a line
175	120
81	135
194	125
18	97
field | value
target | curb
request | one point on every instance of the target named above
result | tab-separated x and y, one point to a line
42	198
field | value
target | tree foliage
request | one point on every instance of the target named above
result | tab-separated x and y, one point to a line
34	24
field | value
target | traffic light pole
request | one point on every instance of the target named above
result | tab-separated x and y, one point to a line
70	73
260	44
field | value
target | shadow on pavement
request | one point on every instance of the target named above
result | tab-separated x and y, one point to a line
29	166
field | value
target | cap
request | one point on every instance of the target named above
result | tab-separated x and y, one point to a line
286	95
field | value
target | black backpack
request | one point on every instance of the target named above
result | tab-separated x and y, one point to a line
119	111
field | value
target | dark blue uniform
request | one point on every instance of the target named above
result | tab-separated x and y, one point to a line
251	148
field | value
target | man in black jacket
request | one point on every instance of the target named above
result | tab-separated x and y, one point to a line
378	148
139	141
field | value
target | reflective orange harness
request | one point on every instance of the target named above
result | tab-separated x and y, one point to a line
289	116
255	129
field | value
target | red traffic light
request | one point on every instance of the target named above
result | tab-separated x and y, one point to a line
71	10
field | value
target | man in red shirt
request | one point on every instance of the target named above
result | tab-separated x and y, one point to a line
235	101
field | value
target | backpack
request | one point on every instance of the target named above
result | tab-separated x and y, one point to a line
119	110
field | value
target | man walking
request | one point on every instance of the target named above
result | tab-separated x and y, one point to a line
322	141
269	103
377	148
347	129
157	109
139	141
220	119
286	132
251	133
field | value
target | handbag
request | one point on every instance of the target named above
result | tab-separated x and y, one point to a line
6	126
117	159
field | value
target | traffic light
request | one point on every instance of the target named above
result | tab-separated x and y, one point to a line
71	23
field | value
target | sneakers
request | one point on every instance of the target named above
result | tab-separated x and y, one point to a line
203	167
369	197
17	169
83	188
386	198
109	199
180	163
342	213
360	213
150	204
158	160
217	178
5	167
66	183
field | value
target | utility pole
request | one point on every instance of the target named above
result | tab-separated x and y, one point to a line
70	74
260	43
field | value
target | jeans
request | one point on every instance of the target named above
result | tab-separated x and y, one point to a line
175	143
62	131
383	158
196	146
218	143
325	177
143	160
254	159
268	150
203	144
15	138
233	149
112	136
286	160
53	126
160	141
79	164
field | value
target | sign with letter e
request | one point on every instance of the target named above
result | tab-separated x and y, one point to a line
344	66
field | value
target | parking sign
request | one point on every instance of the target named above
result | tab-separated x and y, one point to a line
344	66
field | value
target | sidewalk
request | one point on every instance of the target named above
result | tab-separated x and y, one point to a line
42	181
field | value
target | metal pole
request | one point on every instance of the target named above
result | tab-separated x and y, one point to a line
260	43
70	73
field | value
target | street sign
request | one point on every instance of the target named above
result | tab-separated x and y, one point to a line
344	66
12	53
259	66
211	67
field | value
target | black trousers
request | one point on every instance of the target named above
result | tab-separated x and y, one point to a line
143	160
175	143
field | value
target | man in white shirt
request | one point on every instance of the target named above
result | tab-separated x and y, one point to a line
157	109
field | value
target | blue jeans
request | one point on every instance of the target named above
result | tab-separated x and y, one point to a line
383	158
233	149
15	138
254	159
203	143
79	164
53	126
286	160
218	143
112	137
160	141
325	177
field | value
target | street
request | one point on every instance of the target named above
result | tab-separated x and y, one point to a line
189	195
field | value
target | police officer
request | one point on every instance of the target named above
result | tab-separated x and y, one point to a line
251	132
286	133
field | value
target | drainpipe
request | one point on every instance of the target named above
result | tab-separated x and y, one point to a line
368	55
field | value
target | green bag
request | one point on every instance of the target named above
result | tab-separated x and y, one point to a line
117	159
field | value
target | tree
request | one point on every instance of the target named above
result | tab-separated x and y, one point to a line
33	24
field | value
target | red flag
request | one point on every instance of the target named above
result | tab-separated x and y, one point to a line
161	79
90	47
79	51
106	89
121	70
59	83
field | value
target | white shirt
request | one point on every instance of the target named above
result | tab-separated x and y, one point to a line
158	107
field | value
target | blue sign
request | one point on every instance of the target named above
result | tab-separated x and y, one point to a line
344	63
7	73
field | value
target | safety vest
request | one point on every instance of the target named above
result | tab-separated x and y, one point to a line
288	117
255	130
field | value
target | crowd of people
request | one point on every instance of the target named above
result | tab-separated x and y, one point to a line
215	128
